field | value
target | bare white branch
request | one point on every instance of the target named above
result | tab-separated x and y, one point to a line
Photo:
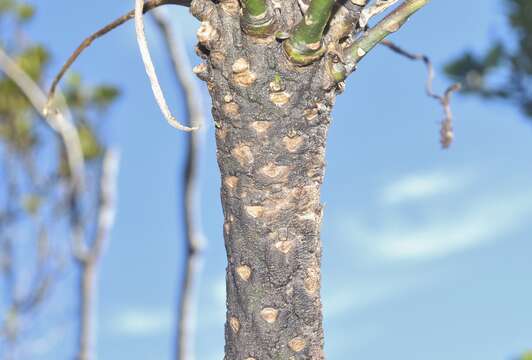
150	69
194	234
107	201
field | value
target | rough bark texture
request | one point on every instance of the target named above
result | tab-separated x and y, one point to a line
271	121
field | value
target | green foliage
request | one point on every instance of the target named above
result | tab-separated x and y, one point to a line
31	203
33	61
19	133
502	72
526	356
21	11
82	98
34	167
90	145
6	6
25	12
16	125
472	70
104	95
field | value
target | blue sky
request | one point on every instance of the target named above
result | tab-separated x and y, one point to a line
426	253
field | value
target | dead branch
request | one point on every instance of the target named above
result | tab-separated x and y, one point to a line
150	69
149	5
194	234
446	131
88	262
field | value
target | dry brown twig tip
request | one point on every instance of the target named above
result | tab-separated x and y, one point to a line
446	130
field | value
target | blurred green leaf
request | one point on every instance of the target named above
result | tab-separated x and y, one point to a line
6	5
90	144
104	95
33	60
19	133
25	12
31	203
511	66
494	56
74	93
526	356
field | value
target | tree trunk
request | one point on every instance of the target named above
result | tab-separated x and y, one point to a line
271	123
272	162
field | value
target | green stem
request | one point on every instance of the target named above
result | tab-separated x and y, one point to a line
255	8
257	19
305	45
390	24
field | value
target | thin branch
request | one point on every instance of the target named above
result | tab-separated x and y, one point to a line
88	264
43	278
106	203
390	24
21	305
149	5
446	131
150	69
85	316
194	233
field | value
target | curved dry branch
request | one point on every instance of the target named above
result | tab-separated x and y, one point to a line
149	5
194	233
150	69
446	131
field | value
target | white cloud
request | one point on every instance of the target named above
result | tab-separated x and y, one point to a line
420	186
428	229
443	230
482	222
142	322
343	301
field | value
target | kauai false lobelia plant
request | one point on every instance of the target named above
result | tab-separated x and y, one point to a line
273	69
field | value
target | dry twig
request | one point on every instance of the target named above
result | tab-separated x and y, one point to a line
149	5
446	131
194	233
150	69
88	261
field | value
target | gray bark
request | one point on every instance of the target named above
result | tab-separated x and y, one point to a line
271	122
